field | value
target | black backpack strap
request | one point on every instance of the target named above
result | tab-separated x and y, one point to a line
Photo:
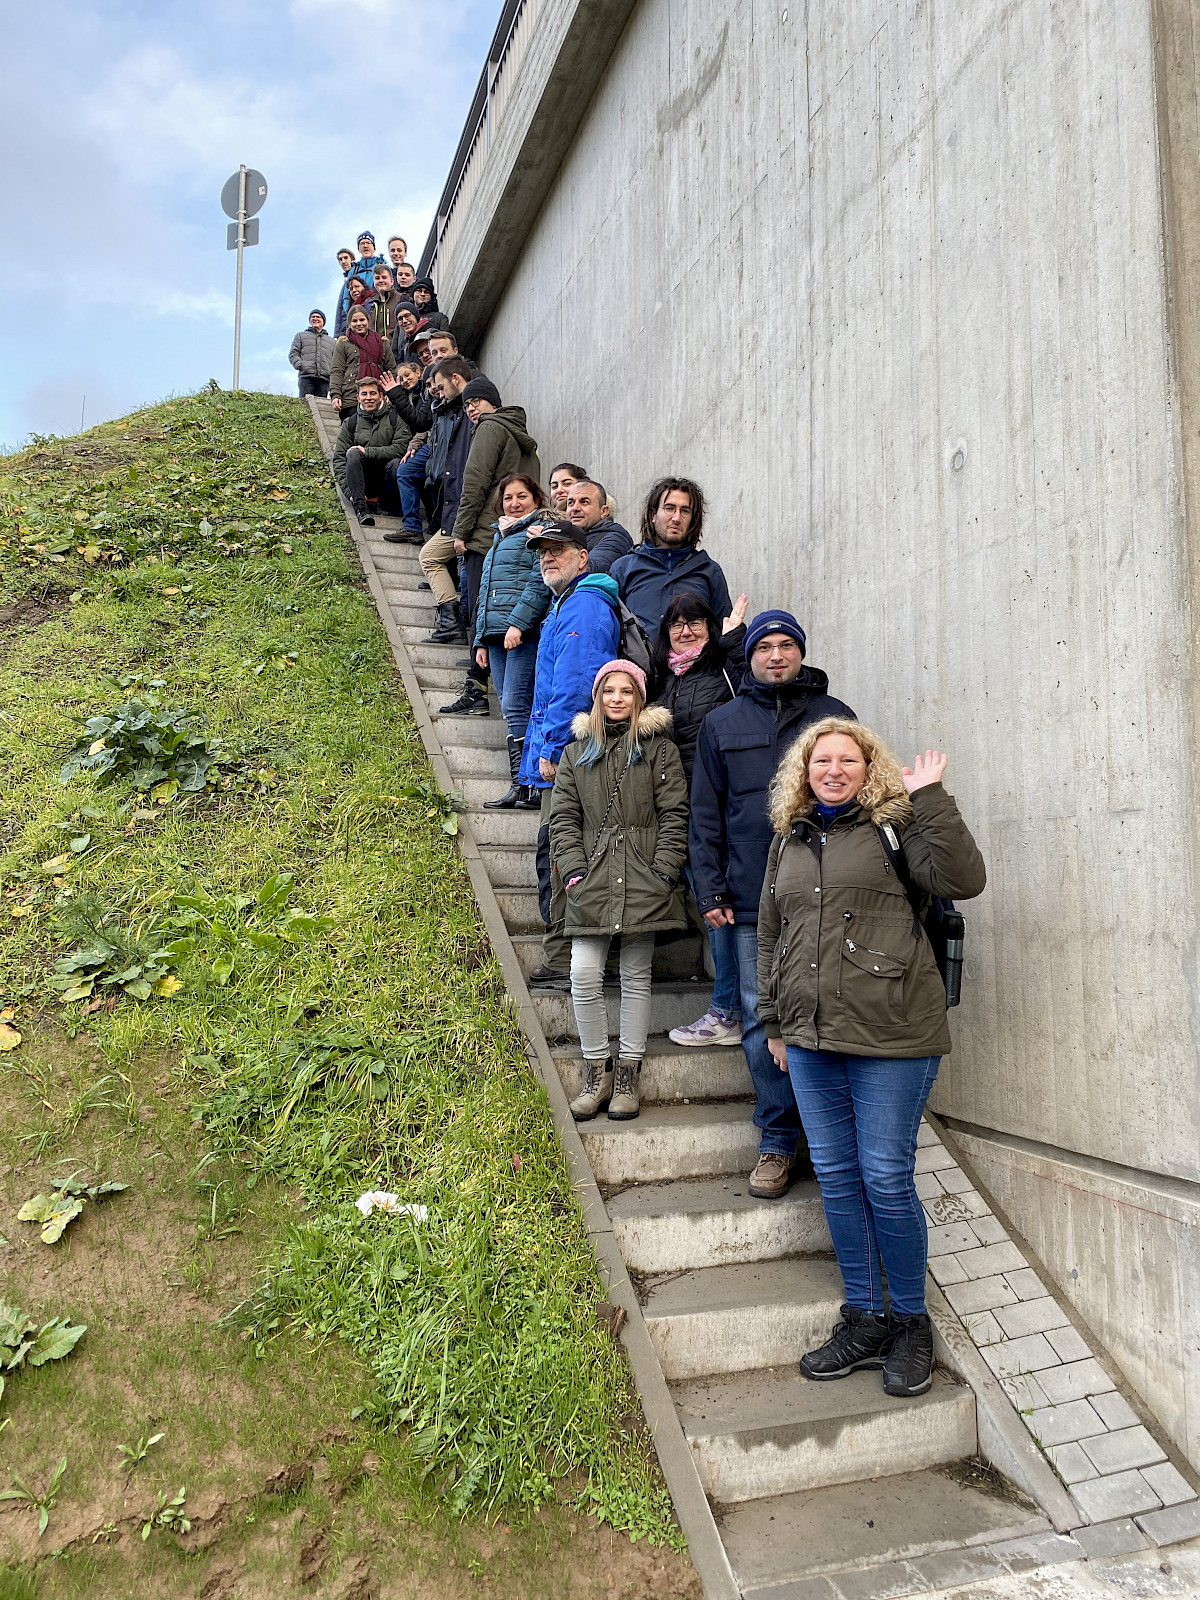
890	841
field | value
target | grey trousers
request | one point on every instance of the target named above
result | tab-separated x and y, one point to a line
587	994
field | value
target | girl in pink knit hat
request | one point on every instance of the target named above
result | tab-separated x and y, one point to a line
618	838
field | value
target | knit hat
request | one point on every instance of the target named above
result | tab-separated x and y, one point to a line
553	530
774	622
365	234
482	388
317	312
631	667
407	305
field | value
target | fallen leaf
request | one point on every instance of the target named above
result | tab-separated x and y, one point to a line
279	494
9	1037
170	591
56	863
7	1013
95	747
168	986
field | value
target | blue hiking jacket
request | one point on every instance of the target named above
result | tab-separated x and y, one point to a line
363	268
511	591
740	745
581	633
651	576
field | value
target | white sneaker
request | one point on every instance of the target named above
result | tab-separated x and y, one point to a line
712	1028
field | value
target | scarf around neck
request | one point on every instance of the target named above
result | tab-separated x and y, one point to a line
370	352
680	660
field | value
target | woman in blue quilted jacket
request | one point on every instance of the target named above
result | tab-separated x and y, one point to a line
512	603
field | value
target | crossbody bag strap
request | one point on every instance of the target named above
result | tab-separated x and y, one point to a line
612	800
892	849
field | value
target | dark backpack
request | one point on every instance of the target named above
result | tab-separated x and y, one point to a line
942	924
634	643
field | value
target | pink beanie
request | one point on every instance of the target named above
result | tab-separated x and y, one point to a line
631	667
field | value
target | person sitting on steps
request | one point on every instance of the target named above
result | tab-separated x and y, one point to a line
513	599
855	1013
618	836
369	440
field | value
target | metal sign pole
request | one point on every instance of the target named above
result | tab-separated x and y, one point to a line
237	308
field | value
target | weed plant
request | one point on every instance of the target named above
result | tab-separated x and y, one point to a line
341	1022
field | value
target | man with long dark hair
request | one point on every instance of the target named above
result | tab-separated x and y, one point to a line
669	560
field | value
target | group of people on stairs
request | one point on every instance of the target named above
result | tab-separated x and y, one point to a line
687	766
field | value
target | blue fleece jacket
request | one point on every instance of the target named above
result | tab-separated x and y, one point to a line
581	632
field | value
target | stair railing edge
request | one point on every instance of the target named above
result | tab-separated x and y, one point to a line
679	1469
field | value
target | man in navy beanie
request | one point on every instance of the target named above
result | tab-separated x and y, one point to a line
729	837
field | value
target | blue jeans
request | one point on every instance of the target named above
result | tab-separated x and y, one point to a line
512	673
775	1114
861	1115
727	986
410	478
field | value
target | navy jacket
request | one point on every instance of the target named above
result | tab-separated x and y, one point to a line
511	591
740	746
581	633
651	577
607	542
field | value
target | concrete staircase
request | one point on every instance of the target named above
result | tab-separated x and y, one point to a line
826	1484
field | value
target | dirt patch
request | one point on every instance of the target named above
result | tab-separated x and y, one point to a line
32	610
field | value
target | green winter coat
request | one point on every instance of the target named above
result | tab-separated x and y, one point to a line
841	966
383	435
343	370
500	444
632	883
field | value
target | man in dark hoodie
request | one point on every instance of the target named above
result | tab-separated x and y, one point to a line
424	297
729	838
669	560
587	508
500	444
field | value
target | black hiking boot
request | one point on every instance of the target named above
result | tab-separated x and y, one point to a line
544	977
508	801
908	1365
404	536
472	702
859	1340
362	513
449	628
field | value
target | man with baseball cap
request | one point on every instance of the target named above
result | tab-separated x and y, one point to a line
729	838
581	632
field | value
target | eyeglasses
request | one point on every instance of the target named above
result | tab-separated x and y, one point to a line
688	627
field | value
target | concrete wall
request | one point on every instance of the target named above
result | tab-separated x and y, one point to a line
899	290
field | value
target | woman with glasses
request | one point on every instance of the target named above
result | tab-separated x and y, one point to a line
698	664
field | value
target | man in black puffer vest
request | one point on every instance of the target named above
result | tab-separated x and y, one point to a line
729	838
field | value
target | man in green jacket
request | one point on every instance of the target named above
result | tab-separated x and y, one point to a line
500	445
366	442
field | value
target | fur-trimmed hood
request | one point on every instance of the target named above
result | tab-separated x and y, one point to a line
896	809
654	720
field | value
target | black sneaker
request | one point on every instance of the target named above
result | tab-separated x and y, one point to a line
472	702
550	978
908	1366
859	1340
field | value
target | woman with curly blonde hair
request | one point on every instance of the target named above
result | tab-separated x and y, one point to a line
855	1012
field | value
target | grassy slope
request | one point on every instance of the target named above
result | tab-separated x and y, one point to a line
200	543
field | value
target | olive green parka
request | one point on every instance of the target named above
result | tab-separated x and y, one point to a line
630	854
500	444
343	370
841	965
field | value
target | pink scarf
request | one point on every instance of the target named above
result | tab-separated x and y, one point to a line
680	660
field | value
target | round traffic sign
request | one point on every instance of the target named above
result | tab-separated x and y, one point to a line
256	193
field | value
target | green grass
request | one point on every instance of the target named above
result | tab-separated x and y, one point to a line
194	558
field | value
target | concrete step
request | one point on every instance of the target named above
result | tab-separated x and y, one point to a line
673	1072
478	789
411	612
483	733
435	699
709	1222
470	761
517	830
519	908
737	1318
437	655
420	636
440	678
672	1142
768	1433
510	868
781	1540
673	961
671	1005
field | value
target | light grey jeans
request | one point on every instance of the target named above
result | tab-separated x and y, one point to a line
587	995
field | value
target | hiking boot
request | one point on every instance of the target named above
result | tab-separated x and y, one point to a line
859	1340
550	978
770	1178
596	1092
404	536
626	1099
472	702
362	513
530	799
509	801
908	1365
449	628
712	1028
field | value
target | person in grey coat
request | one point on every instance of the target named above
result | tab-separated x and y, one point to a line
312	356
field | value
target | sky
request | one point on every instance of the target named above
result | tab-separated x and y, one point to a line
121	123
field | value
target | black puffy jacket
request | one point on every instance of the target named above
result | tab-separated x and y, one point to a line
709	684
